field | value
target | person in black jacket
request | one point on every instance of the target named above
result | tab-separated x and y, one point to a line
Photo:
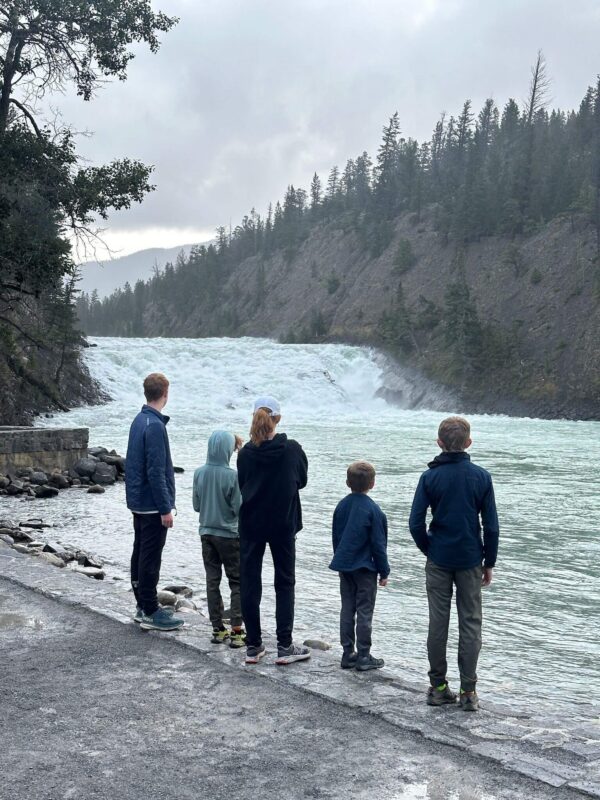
459	494
271	471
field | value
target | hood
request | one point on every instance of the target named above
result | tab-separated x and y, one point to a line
268	451
220	448
449	458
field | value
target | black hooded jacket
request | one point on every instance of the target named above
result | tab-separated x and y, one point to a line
270	476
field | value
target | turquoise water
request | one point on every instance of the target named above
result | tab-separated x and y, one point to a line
541	612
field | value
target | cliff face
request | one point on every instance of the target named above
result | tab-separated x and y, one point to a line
535	300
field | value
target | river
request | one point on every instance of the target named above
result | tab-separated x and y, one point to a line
541	612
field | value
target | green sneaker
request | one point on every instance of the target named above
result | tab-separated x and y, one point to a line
237	639
219	635
469	701
440	695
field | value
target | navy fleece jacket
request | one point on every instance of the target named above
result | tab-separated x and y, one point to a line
359	536
459	493
149	474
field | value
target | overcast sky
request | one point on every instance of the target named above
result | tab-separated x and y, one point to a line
246	97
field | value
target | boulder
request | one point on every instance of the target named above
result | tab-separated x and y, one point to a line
24	472
8	523
91	572
97	451
20	536
22	548
178	470
88	560
52	559
75	482
5	537
36	523
167	598
4	482
45	491
15	487
96	490
114	461
317	644
183	604
179	588
86	467
58	551
104	473
59	480
38	478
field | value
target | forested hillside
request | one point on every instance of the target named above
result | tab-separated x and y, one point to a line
474	256
48	196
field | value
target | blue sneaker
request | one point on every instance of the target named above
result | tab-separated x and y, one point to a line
161	620
139	615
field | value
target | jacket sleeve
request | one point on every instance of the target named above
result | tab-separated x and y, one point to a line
241	469
302	467
491	528
234	497
196	493
156	467
335	529
379	543
418	516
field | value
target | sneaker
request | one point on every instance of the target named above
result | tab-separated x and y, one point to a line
139	615
348	660
254	654
440	695
469	701
287	655
363	663
161	620
219	635
237	639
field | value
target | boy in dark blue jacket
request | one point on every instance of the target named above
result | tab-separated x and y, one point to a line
460	494
360	554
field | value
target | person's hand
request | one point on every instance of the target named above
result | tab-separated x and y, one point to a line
383	581
239	442
167	520
486	576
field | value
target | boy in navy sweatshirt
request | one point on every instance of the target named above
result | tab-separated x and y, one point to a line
360	555
461	497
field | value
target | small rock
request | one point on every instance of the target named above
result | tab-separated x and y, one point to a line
58	551
85	480
45	491
183	604
9	531
96	490
114	461
91	572
97	451
52	559
75	481
5	537
86	467
36	523
59	480
21	536
87	560
24	472
167	598
22	548
178	470
16	487
38	478
8	523
179	588
4	481
104	473
317	644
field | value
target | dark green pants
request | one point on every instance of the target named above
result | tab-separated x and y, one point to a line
440	585
219	552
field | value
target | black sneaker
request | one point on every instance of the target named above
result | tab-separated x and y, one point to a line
469	701
295	652
254	654
364	663
348	660
440	695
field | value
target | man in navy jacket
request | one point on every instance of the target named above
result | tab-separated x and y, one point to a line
461	497
150	493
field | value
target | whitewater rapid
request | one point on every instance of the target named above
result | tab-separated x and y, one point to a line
541	613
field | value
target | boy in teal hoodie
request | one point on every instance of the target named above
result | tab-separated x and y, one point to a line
217	499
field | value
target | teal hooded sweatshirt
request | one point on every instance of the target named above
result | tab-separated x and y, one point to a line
216	493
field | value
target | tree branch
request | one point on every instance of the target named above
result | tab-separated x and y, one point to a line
29	116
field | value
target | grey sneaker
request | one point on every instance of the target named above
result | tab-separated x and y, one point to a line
295	652
254	654
364	663
440	695
469	701
348	660
161	620
139	615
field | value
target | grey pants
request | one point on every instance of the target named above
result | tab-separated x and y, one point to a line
440	584
218	552
359	592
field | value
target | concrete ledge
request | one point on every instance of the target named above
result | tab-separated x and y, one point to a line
43	448
558	756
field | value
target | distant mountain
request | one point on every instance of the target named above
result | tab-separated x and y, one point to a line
106	276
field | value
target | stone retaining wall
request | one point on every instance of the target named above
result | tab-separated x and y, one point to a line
41	448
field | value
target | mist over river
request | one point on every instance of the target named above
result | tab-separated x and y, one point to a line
542	611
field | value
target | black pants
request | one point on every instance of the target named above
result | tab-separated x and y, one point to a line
148	543
359	592
220	552
283	552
